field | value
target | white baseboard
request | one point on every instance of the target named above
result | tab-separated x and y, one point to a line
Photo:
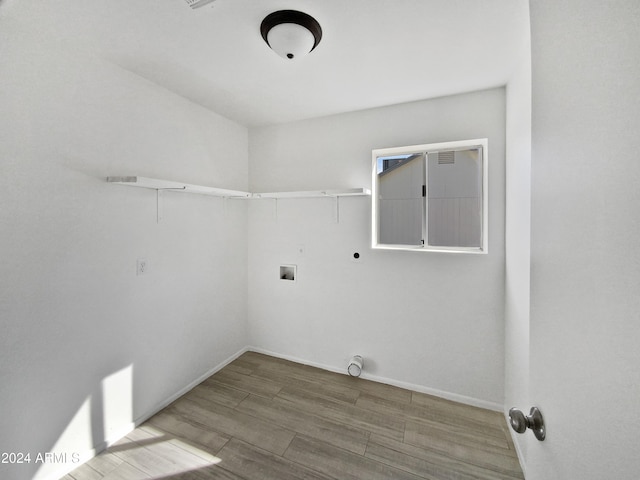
144	417
516	444
475	402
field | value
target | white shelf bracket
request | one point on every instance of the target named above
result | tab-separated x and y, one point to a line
336	209
160	202
225	205
159	205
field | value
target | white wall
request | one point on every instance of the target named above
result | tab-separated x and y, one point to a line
431	320
518	240
585	270
87	346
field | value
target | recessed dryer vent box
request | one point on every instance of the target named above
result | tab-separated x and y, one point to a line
288	272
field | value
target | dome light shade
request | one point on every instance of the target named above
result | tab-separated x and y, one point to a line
291	34
290	40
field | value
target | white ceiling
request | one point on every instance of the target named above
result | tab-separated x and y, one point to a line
373	52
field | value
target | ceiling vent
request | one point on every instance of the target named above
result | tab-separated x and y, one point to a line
446	158
198	3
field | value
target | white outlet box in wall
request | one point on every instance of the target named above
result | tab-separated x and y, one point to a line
288	273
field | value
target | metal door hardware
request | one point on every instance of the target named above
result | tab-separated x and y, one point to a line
534	421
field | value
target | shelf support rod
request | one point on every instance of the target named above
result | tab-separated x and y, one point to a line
160	202
159	205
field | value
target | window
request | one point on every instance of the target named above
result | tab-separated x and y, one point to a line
431	197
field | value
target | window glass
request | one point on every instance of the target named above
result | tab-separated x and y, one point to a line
431	197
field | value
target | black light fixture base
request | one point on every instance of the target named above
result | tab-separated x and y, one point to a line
291	16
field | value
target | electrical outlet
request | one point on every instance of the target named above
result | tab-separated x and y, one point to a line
141	268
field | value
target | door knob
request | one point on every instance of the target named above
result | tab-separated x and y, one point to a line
519	422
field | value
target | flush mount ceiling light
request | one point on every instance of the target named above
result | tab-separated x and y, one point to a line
291	34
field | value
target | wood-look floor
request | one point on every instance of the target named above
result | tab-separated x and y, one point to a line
266	418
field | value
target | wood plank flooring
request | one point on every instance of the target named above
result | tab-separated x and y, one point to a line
265	418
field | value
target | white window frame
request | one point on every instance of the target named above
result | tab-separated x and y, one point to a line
432	148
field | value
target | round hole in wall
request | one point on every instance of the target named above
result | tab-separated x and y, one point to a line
356	255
